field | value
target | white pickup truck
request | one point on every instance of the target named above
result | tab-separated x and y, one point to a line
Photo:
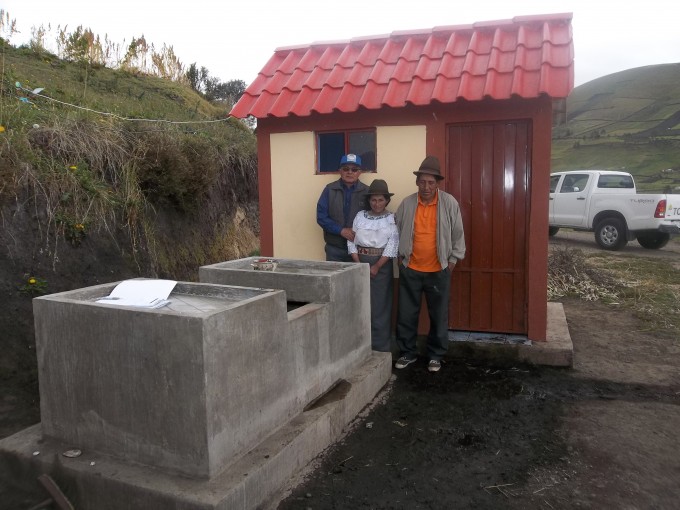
606	202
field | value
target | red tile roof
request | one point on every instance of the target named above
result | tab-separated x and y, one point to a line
526	57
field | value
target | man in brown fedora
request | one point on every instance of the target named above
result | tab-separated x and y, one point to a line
431	241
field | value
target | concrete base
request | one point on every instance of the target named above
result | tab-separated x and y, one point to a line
557	350
95	481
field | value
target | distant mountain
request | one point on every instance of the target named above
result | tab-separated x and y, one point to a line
628	120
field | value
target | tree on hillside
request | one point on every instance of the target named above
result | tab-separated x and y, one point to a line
196	76
230	91
212	88
81	46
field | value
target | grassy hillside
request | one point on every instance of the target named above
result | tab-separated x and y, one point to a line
94	148
100	88
625	121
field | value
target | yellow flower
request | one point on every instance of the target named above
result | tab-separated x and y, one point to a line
80	226
2	129
32	281
73	168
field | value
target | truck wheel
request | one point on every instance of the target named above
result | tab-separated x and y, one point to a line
553	230
610	234
653	240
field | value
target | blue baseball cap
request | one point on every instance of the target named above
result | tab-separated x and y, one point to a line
350	159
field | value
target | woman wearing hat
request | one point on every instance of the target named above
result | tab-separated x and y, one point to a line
376	242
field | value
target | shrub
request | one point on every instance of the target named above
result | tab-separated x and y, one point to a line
176	169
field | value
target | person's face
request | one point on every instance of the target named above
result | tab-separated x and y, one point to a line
349	174
427	187
378	203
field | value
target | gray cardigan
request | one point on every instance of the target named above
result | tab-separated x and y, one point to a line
450	238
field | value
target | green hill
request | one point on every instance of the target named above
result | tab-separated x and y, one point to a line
625	121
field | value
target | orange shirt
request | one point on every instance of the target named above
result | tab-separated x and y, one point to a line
424	256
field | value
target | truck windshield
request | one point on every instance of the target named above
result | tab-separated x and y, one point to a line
615	181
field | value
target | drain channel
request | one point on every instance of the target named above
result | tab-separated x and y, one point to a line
337	391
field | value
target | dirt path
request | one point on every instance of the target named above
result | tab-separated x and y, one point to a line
601	435
586	242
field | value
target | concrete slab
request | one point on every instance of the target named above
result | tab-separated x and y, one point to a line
557	350
97	481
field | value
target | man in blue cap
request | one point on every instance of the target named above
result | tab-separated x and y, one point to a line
339	203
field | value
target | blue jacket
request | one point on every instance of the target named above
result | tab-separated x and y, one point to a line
337	207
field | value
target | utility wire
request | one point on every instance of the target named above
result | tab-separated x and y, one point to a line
109	114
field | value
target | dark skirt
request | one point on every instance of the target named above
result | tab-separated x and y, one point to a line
381	304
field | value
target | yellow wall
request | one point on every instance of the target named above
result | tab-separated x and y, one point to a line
296	188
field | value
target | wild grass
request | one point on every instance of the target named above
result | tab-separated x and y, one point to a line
649	288
570	273
98	148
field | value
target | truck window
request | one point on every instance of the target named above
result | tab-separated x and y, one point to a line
554	179
574	183
615	181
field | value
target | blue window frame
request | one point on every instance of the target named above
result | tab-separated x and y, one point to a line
332	145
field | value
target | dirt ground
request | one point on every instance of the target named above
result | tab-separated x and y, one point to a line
603	434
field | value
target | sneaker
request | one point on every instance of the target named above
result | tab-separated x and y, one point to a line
434	365
404	361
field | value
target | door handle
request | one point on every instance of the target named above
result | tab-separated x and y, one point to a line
581	198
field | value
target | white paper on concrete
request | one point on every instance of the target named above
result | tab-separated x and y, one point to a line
140	293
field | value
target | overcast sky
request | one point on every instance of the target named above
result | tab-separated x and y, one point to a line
234	39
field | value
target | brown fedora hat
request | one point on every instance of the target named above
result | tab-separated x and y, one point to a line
379	187
430	166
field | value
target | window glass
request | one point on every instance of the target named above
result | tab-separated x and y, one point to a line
554	179
362	143
615	181
574	183
332	146
331	149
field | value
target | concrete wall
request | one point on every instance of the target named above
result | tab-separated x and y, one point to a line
343	339
296	187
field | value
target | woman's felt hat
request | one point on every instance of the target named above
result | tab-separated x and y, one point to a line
379	187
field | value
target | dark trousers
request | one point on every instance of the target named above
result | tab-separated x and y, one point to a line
381	304
412	285
336	254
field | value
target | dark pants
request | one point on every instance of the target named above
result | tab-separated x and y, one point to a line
412	285
381	304
336	254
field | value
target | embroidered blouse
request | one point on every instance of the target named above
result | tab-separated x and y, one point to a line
375	232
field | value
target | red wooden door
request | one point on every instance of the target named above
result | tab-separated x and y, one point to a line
488	170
